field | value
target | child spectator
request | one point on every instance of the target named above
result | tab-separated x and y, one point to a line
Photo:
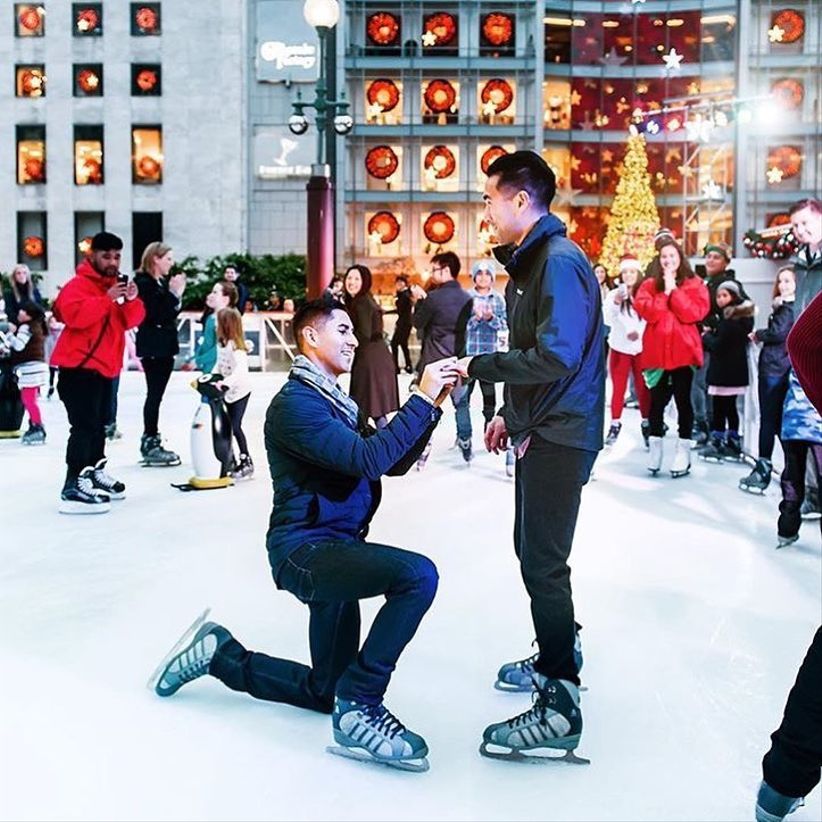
28	358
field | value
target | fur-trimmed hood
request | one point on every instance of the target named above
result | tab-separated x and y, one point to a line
738	312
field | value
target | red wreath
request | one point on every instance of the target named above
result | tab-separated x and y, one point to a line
149	168
35	170
34	246
89	81
442	160
84	246
498	92
384	93
440	96
786	158
489	155
791	22
33	83
438	228
789	93
94	171
497	28
782	218
386	225
30	19
87	21
383	29
146	80
443	26
381	162
146	19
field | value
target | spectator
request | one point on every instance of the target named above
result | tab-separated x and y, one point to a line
404	309
222	295
231	275
21	287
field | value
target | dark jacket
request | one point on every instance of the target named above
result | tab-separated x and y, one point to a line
157	334
713	283
773	358
728	345
13	304
404	309
440	321
808	270
242	295
554	372
326	474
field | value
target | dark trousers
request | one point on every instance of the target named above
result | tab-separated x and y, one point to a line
793	483
87	397
489	398
111	417
676	384
330	577
549	480
724	416
792	765
158	372
701	401
400	341
236	412
772	391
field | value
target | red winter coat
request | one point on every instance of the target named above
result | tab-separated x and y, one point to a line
671	339
84	306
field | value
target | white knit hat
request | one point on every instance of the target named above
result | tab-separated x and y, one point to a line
487	266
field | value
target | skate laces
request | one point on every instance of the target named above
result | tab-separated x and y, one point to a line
382	720
85	484
540	707
102	477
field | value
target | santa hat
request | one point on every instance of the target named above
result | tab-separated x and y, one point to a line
627	261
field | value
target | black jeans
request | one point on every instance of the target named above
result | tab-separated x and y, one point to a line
236	412
87	397
792	765
676	384
400	341
793	483
158	372
549	480
489	398
111	417
724	416
772	391
330	577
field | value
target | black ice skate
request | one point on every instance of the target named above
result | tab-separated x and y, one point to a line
36	435
553	725
759	479
154	455
714	451
244	469
733	447
613	433
79	496
104	483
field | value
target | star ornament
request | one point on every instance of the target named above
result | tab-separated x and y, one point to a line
489	108
672	60
612	58
776	34
775	175
566	195
429	38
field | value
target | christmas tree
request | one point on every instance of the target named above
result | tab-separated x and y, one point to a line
634	218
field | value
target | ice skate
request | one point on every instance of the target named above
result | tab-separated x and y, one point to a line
700	434
772	806
79	496
645	430
714	451
733	447
244	469
154	455
423	458
682	459
465	449
190	656
36	435
759	479
371	733
784	542
654	454
613	433
105	484
552	725
519	676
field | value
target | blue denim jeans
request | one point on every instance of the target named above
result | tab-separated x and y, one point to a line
330	577
461	397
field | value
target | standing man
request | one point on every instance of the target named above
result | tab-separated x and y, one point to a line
97	306
404	308
554	375
231	275
440	317
326	466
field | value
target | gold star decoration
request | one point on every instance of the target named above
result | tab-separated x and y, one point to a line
572	226
672	155
607	156
776	34
576	98
601	120
575	163
775	175
693	88
429	38
622	105
685	171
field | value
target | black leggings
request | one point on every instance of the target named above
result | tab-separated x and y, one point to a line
724	416
158	372
236	411
676	384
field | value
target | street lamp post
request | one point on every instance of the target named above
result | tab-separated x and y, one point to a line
323	16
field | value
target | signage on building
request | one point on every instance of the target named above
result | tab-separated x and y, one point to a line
286	46
280	155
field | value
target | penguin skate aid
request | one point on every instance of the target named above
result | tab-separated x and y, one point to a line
326	472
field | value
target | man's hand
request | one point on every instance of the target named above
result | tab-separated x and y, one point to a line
177	284
496	435
132	292
462	366
438	379
418	292
118	291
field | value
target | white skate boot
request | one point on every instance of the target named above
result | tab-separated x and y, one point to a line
682	459
654	454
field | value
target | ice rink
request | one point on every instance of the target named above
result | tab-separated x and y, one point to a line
694	628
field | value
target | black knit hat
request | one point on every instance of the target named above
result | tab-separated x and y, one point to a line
106	241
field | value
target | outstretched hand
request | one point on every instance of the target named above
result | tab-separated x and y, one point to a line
438	379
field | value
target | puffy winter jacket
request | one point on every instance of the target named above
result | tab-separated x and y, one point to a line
728	345
672	338
95	325
808	269
773	359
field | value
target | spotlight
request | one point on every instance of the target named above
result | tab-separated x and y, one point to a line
343	123
297	124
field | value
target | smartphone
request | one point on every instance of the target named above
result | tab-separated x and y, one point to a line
122	278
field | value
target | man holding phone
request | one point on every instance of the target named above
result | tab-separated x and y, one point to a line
97	306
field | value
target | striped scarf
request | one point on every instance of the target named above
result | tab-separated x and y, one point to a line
305	371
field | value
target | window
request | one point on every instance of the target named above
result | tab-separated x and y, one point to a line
31	155
146	155
146	80
145	19
88	19
30	81
29	20
88	80
86	225
88	156
146	227
32	239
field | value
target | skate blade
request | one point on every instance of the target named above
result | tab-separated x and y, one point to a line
412	765
786	541
146	464
678	474
568	757
514	689
181	642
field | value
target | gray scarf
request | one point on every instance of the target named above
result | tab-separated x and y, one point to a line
304	370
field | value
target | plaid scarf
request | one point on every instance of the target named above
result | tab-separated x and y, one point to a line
305	371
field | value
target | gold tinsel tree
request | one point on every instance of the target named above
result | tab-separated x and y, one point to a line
634	218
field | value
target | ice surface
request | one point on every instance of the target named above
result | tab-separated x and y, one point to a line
694	627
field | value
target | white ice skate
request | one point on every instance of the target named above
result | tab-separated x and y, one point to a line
654	454
681	465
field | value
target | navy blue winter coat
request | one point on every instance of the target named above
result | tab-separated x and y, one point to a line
554	372
326	473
